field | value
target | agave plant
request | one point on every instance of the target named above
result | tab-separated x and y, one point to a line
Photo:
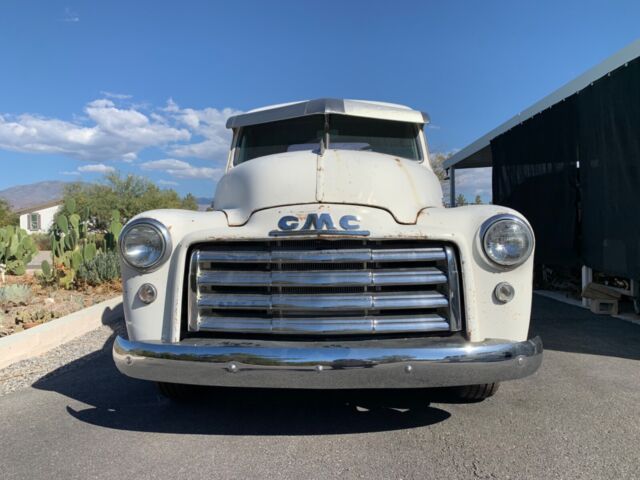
16	294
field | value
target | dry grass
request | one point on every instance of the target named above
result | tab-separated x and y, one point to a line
47	303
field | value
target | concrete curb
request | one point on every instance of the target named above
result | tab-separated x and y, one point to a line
40	339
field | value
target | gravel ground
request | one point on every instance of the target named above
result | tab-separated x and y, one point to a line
577	418
60	359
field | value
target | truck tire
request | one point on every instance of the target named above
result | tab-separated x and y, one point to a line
476	393
175	391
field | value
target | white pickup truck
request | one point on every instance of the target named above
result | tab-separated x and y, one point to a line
328	261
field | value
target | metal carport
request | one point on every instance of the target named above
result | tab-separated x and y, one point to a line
571	164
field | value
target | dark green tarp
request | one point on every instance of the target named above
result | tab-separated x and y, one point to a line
609	120
534	172
586	215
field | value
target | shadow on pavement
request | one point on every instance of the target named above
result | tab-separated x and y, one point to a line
119	402
568	328
115	401
250	412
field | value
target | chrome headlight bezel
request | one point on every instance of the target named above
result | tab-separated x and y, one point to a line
493	221
163	234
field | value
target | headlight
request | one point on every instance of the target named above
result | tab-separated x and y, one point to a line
145	244
507	240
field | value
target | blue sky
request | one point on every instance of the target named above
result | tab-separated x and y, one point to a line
145	86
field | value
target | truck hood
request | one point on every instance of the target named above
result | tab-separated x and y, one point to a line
402	187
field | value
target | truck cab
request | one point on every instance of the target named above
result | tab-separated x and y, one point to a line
328	261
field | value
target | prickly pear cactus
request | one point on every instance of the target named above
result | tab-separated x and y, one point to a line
71	247
115	228
63	224
47	271
17	249
70	206
89	252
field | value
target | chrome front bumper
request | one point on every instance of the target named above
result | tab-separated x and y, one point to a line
376	363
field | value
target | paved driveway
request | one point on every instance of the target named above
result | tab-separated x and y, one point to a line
578	417
38	258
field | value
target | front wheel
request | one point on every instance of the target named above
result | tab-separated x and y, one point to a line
476	393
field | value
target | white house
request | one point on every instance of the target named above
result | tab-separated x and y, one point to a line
38	218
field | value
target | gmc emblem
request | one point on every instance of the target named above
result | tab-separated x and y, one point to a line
320	224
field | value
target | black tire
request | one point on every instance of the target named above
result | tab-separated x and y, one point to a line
175	391
476	393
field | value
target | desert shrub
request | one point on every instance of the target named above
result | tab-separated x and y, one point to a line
42	241
34	316
128	194
105	267
7	217
16	294
99	240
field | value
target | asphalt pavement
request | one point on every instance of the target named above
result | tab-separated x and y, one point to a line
578	417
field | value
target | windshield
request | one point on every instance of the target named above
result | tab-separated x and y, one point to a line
344	132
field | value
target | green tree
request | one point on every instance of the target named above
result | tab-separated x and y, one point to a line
478	200
128	194
437	159
189	202
461	200
7	217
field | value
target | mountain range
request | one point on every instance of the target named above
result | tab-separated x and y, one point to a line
27	196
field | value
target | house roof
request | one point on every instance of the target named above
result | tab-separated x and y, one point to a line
356	108
40	206
478	153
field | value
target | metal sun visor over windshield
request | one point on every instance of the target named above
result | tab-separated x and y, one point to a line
340	132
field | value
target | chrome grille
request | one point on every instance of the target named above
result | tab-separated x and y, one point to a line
318	287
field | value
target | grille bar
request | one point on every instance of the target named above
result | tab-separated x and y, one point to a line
358	255
328	325
320	302
321	287
323	278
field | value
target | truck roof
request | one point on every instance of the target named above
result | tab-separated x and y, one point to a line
356	108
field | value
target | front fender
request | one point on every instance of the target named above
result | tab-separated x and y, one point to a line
157	320
485	317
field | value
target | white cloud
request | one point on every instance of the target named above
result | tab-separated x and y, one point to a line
167	163
181	169
208	123
168	183
474	179
96	168
117	96
108	133
171	106
208	149
70	16
471	182
74	173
